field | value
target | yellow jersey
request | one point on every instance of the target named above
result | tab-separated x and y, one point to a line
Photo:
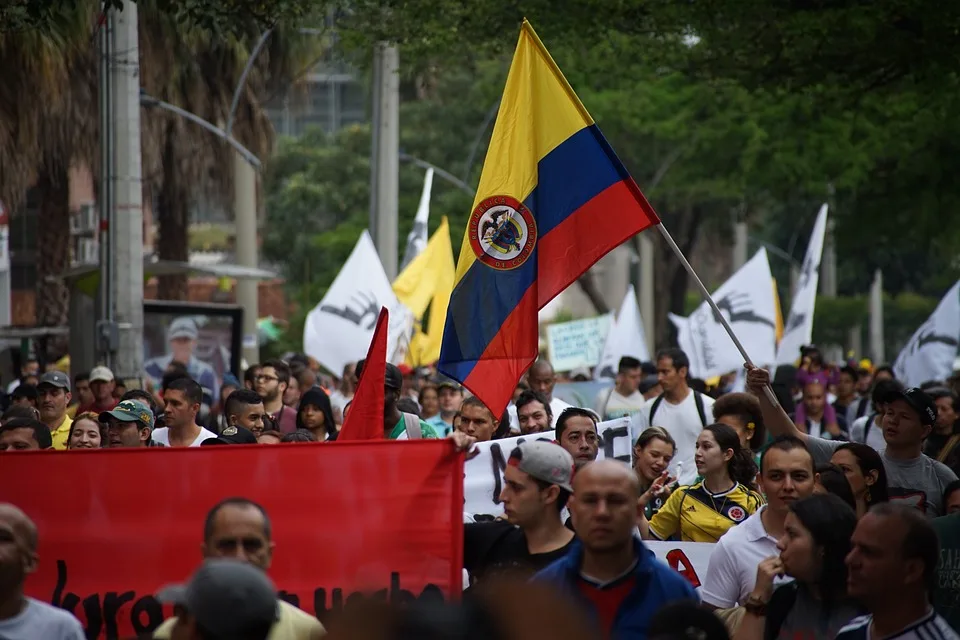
292	624
700	516
61	434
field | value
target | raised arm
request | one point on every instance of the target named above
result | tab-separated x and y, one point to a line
775	419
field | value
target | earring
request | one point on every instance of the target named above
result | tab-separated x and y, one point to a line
866	497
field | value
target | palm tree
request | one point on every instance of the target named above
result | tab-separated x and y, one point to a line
48	122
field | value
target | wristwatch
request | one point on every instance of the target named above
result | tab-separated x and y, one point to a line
755	605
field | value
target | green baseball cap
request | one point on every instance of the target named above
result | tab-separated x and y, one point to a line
130	411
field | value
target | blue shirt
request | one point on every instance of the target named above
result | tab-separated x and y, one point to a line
656	585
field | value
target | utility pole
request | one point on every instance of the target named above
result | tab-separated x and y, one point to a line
876	318
126	224
385	156
245	209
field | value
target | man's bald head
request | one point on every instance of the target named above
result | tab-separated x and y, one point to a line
606	471
541	378
23	527
604	505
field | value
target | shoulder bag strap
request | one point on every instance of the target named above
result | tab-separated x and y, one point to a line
412	424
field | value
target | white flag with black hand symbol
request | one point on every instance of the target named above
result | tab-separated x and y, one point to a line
339	329
746	301
930	353
798	329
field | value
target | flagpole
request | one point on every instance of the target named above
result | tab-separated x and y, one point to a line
713	305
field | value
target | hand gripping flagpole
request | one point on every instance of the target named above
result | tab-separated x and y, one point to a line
767	390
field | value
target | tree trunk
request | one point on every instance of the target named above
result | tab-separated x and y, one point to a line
53	252
672	279
172	222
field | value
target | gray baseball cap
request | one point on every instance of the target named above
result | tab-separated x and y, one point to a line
546	461
228	598
54	379
183	327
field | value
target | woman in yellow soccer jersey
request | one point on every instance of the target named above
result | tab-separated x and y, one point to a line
704	511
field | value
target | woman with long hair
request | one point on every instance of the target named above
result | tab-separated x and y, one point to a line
652	454
315	415
87	432
864	468
815	542
704	511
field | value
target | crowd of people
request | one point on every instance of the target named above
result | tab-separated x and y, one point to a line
828	495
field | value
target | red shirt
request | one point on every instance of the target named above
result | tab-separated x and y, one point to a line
286	419
607	599
96	408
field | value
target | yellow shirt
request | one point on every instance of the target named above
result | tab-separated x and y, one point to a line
72	410
699	516
61	433
293	624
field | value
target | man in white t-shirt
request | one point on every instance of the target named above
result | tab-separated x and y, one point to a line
680	410
542	378
786	475
624	398
181	403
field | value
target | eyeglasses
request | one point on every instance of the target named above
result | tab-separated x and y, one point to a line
263	378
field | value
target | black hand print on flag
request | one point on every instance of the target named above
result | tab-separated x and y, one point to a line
366	304
739	309
928	335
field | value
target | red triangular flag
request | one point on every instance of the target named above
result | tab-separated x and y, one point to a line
364	419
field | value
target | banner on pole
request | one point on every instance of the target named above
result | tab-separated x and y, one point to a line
347	518
483	475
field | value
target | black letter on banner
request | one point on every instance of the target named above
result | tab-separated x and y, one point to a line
498	464
91	605
289	598
111	607
150	606
609	436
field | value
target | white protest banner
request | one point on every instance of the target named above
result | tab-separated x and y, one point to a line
577	343
625	338
483	475
930	353
690	559
746	301
798	330
339	329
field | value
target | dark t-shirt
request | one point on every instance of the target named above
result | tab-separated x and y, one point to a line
497	548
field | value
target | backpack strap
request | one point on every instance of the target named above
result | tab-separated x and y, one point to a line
412	424
606	403
653	409
698	400
779	607
862	407
866	428
947	448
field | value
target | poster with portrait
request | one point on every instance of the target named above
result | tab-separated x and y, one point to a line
205	338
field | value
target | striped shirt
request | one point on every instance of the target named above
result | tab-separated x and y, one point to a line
929	627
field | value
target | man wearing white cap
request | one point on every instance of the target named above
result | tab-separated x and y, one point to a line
182	339
102	384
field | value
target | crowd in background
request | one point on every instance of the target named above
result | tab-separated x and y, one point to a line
832	502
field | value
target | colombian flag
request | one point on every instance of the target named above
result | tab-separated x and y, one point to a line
553	199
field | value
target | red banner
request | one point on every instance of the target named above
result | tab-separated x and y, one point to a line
116	525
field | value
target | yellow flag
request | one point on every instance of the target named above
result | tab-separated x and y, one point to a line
425	287
776	305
